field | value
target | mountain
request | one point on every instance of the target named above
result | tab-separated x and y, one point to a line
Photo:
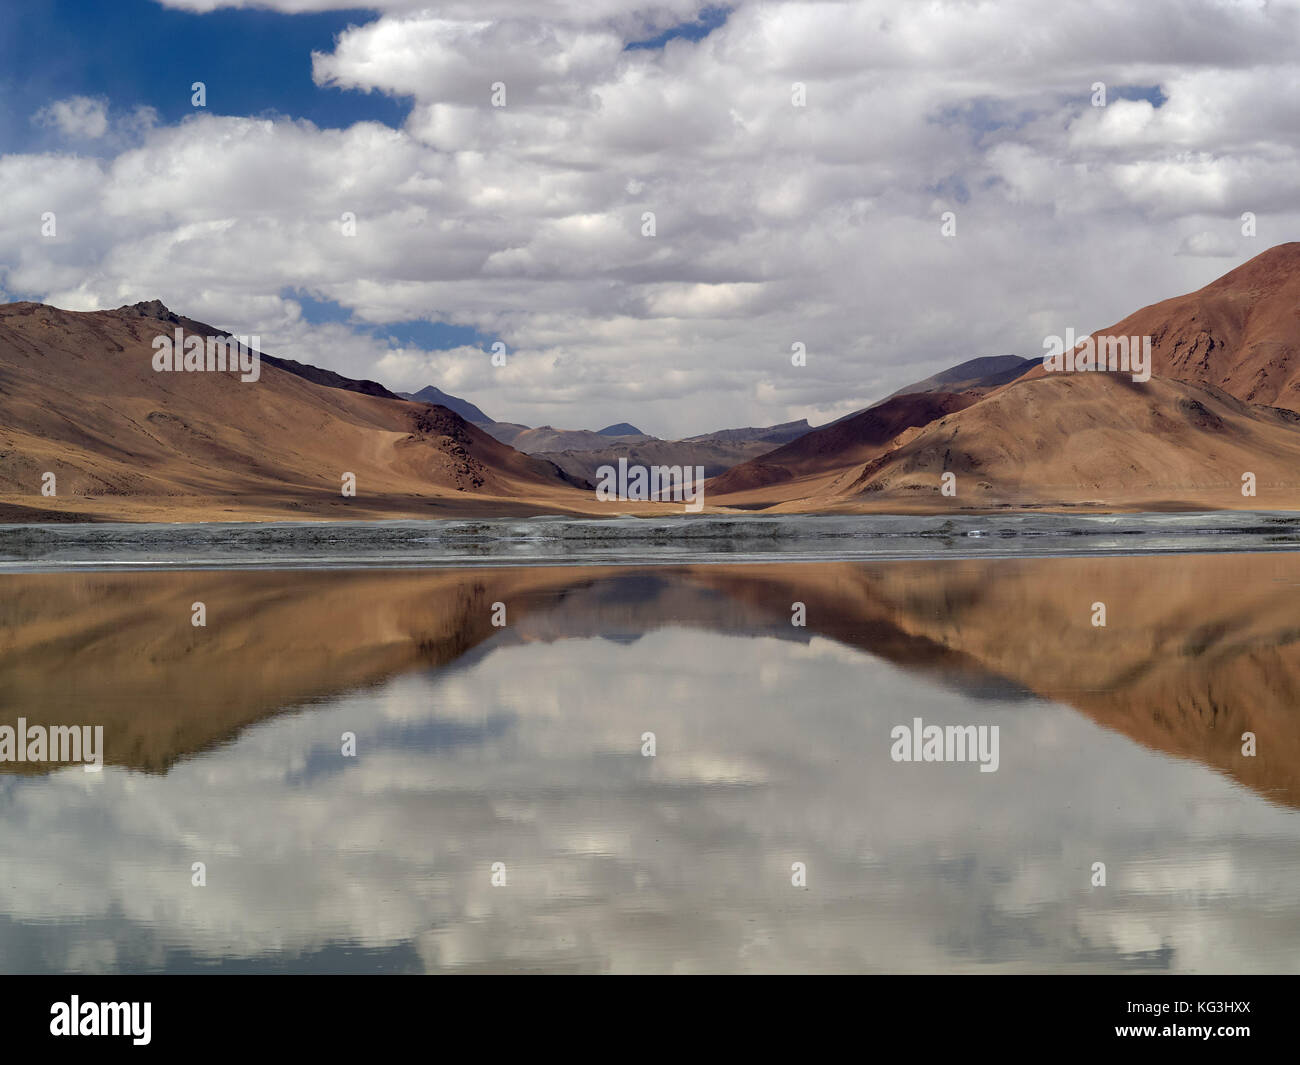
797	468
547	438
978	375
1085	439
1220	402
463	407
1240	333
716	452
773	435
154	311
79	398
620	429
973	378
580	452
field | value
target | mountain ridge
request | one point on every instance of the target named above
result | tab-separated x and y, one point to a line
80	398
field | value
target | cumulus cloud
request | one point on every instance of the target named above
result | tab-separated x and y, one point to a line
1208	244
773	223
77	116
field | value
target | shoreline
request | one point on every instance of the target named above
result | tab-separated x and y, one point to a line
634	540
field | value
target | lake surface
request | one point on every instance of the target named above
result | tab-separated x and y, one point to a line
523	744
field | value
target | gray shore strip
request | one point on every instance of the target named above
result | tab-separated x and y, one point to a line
681	539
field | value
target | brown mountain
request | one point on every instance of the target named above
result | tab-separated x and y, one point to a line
1240	333
1089	438
79	398
1226	375
978	376
807	465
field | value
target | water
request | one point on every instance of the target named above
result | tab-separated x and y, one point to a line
522	745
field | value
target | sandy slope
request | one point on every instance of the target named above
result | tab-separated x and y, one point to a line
1091	438
811	465
1224	358
79	397
1240	333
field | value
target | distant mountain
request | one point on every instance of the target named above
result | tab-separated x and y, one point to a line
981	375
549	441
827	450
716	452
547	438
771	434
974	378
463	407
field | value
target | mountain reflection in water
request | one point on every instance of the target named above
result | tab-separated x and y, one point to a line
523	744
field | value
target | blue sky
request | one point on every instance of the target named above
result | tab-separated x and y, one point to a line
138	53
435	336
708	20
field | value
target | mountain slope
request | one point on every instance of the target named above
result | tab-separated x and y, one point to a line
1240	333
773	435
1226	376
79	398
1091	438
978	375
796	467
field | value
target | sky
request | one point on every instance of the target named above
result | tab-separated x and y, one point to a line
356	193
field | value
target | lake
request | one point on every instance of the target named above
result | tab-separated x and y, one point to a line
658	768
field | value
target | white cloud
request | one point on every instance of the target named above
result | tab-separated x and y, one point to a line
77	116
1209	244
